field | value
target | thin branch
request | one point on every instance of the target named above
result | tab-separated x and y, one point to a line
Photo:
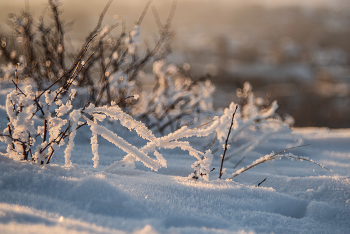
262	182
81	68
241	160
204	124
72	68
205	77
16	77
60	31
144	12
45	130
13	139
50	156
171	15
61	134
40	108
226	141
98	26
17	88
213	141
157	19
273	157
123	99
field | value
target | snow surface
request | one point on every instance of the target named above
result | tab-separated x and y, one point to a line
297	197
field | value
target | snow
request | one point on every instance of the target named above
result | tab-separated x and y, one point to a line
297	197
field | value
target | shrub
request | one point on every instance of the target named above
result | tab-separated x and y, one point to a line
43	55
179	107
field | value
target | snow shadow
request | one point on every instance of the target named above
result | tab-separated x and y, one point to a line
290	207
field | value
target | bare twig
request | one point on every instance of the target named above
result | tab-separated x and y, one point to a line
72	68
157	19
205	77
171	14
123	99
262	182
204	124
226	141
60	136
99	23
212	142
60	32
144	12
16	76
18	89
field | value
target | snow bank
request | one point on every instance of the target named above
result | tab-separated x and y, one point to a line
80	199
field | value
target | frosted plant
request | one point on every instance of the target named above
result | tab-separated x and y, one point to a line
176	100
22	136
264	124
253	124
20	132
94	148
41	53
134	154
202	167
119	64
73	119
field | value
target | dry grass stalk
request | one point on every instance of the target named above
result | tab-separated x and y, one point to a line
226	141
272	157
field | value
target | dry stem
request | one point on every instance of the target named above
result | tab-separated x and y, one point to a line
228	135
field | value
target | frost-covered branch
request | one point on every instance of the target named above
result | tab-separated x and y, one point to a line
274	156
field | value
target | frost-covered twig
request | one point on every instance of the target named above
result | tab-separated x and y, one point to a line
273	156
169	141
202	167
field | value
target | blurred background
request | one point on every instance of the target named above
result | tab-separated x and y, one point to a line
296	52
